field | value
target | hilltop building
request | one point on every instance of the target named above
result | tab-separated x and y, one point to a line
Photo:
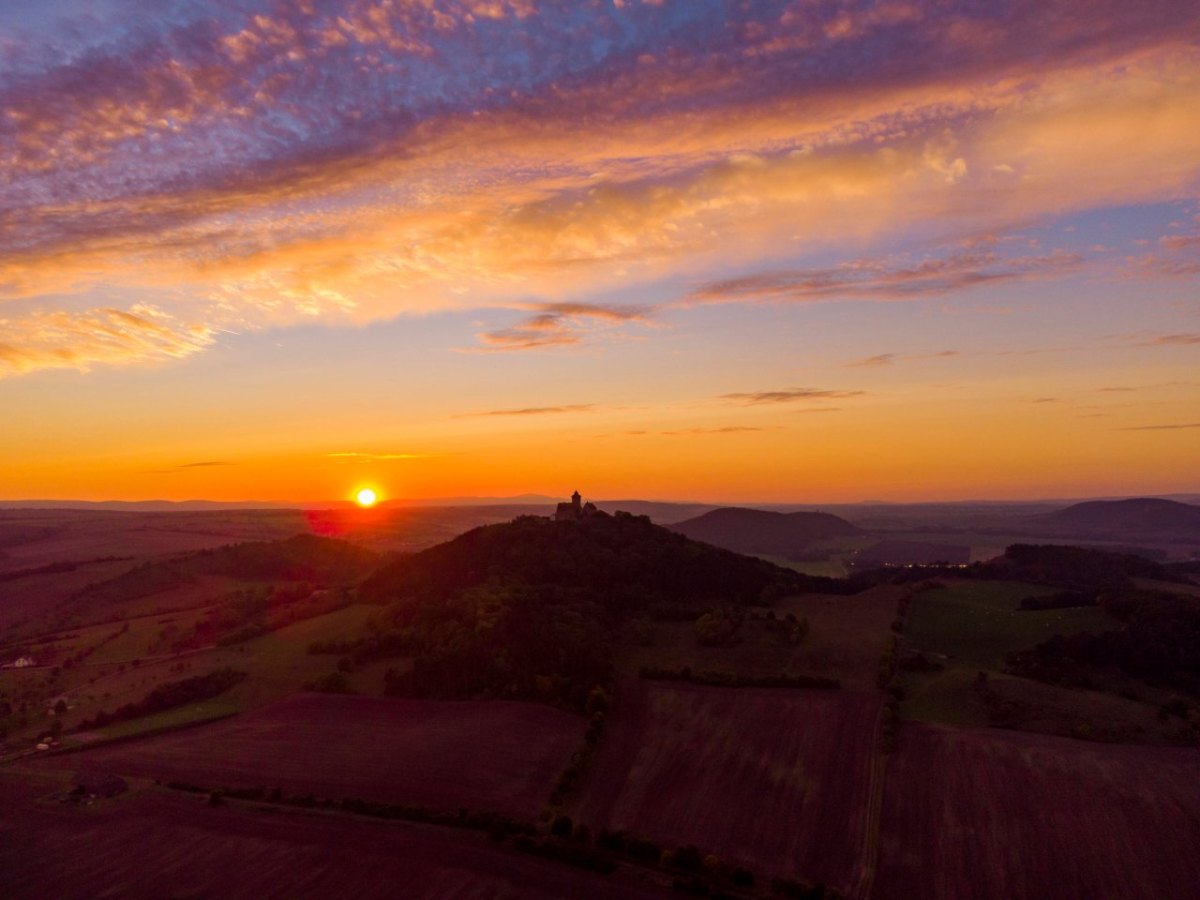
569	512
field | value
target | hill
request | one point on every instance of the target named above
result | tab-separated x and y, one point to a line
763	532
528	609
304	557
1137	516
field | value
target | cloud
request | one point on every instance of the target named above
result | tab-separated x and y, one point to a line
531	411
185	466
887	359
376	457
728	429
1171	427
790	395
62	339
879	280
557	325
1172	340
271	163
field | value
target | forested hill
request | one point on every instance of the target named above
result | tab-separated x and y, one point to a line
762	531
623	562
531	609
1136	516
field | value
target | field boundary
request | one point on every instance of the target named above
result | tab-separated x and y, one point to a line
119	739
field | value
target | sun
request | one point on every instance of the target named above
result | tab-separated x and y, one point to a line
365	497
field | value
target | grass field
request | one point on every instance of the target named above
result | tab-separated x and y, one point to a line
845	637
970	627
775	778
188	714
490	755
157	843
973	814
979	623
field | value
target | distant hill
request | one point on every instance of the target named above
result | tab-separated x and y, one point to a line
1140	515
762	532
305	557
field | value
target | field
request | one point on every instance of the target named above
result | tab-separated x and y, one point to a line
979	623
846	635
421	752
778	779
989	815
845	638
970	627
155	843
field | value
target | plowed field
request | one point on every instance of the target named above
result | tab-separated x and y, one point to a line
490	755
977	814
775	778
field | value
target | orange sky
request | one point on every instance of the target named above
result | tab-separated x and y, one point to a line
786	253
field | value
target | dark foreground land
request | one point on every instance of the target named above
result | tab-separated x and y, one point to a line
345	705
152	842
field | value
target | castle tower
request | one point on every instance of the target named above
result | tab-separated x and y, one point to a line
575	498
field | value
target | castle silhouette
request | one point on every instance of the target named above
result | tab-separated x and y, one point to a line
569	512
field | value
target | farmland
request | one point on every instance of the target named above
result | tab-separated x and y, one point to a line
843	640
987	815
979	622
426	753
775	778
970	627
185	848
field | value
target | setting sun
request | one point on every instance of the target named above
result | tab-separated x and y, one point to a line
365	497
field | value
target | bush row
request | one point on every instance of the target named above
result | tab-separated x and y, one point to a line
731	679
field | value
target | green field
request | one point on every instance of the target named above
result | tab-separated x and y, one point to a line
970	627
189	714
979	622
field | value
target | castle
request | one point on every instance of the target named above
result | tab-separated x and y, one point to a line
569	512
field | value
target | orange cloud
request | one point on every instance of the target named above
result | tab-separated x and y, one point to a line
791	395
740	149
533	411
48	340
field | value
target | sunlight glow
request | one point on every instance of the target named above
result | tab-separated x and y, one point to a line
365	497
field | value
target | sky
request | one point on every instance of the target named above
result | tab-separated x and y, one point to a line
812	251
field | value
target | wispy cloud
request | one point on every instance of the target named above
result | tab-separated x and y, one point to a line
888	359
531	411
1167	427
175	470
790	395
880	280
1172	340
558	325
262	164
728	429
376	457
62	339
